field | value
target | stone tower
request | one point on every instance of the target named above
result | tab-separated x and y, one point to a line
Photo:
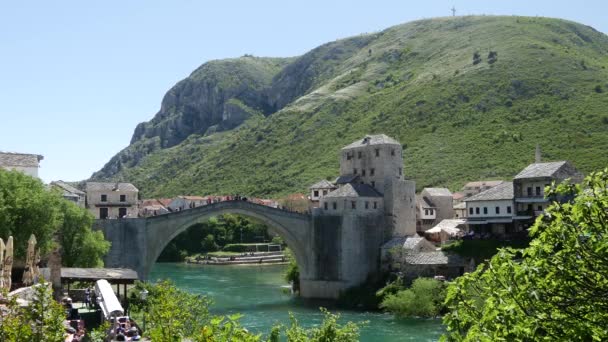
377	160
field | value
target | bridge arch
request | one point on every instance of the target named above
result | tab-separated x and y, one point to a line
293	228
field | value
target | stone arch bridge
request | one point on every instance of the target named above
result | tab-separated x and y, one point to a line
332	252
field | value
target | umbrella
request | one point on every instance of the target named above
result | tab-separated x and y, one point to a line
8	263
28	276
36	267
1	263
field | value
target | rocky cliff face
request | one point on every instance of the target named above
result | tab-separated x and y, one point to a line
219	95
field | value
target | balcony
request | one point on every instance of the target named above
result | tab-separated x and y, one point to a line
531	199
523	214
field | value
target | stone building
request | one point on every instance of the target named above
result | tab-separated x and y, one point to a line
186	202
70	193
112	200
415	256
492	211
434	205
376	161
26	163
153	207
371	203
529	187
321	189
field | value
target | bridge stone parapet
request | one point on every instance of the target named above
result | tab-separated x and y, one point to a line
332	252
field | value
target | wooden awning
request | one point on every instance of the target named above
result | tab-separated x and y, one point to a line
112	275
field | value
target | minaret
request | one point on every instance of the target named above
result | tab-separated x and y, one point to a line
537	156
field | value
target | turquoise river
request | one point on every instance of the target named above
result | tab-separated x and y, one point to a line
257	292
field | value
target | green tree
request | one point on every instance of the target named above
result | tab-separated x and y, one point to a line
424	299
328	330
554	290
209	244
42	320
45	316
292	273
27	207
171	314
81	246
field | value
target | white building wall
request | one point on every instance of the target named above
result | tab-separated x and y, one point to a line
427	213
491	206
30	171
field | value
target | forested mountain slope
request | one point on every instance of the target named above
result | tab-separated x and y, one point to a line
469	98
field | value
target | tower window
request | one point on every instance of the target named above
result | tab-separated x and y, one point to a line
373	184
354	171
498	210
123	198
366	205
316	193
392	151
104	198
538	191
363	172
508	209
400	171
325	205
477	210
353	204
372	171
334	205
349	156
471	211
485	210
324	192
375	205
359	154
377	152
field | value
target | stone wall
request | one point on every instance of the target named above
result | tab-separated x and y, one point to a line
400	207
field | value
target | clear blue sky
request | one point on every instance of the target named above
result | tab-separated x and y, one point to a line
77	76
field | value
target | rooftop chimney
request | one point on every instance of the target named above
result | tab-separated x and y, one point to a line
537	155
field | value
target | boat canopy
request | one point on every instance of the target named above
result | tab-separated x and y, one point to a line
110	305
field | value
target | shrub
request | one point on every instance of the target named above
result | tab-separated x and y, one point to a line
236	247
598	89
209	244
424	299
492	57
476	58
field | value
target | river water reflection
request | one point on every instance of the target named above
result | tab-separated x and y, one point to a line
255	291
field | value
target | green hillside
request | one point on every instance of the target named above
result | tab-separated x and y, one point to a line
469	98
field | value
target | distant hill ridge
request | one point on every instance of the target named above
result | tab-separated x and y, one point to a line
468	97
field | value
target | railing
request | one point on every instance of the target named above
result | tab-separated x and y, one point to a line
533	213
